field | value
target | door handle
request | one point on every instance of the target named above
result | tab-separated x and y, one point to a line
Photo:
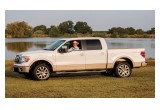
102	53
81	54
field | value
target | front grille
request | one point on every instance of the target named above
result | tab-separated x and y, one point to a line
17	59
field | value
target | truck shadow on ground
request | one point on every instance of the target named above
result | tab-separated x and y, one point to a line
77	75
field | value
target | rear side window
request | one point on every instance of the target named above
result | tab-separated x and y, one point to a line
93	45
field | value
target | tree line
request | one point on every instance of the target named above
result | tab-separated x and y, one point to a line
21	29
129	31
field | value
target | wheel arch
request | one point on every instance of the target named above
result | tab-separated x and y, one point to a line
40	62
126	59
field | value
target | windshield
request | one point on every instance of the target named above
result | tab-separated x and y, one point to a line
54	45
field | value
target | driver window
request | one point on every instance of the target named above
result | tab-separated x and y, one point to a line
73	45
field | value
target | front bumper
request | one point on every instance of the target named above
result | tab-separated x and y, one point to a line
144	64
21	69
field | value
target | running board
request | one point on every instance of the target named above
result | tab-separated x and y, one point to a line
62	72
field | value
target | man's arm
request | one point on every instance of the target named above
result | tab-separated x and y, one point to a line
71	49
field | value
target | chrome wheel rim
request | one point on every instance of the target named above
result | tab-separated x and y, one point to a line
124	70
42	72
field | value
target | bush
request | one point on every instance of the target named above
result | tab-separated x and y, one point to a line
98	34
145	36
54	31
115	35
125	36
39	33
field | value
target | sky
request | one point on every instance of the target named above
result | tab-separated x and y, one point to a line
99	20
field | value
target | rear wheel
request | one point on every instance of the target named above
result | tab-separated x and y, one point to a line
41	72
123	69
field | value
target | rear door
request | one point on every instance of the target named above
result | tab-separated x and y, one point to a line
95	55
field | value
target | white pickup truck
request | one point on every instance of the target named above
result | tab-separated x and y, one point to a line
90	55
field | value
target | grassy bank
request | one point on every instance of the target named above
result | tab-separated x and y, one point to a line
140	84
94	34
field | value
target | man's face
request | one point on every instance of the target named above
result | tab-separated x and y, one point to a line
75	44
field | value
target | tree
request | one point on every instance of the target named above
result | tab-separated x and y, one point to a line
139	31
118	30
66	27
53	31
151	31
42	28
38	32
130	30
110	31
18	29
82	27
115	35
47	31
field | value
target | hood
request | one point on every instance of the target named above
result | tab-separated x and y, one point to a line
37	52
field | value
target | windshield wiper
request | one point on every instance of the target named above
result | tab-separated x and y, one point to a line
48	49
45	49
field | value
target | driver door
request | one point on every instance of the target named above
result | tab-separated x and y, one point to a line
71	61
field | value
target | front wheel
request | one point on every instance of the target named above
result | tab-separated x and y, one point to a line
41	72
123	69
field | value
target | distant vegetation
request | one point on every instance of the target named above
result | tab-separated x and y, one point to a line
18	29
21	29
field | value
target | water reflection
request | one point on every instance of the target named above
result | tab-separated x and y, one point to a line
19	46
23	46
115	45
40	45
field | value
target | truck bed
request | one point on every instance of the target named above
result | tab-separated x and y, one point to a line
133	54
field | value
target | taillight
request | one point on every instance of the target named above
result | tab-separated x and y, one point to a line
143	54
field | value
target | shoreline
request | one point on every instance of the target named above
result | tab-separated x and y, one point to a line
77	37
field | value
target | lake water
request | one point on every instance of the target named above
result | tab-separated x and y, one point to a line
16	45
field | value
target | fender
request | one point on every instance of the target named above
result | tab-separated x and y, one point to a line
122	57
44	59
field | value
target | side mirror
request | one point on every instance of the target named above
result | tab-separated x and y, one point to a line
63	49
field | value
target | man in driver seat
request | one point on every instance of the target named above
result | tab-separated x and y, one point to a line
75	46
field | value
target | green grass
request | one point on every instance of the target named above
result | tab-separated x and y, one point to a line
140	84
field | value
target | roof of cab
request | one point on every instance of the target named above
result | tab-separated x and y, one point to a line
80	38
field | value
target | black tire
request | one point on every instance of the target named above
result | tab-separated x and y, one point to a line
123	69
41	72
27	75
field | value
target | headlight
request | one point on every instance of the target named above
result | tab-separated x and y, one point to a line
20	58
24	59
